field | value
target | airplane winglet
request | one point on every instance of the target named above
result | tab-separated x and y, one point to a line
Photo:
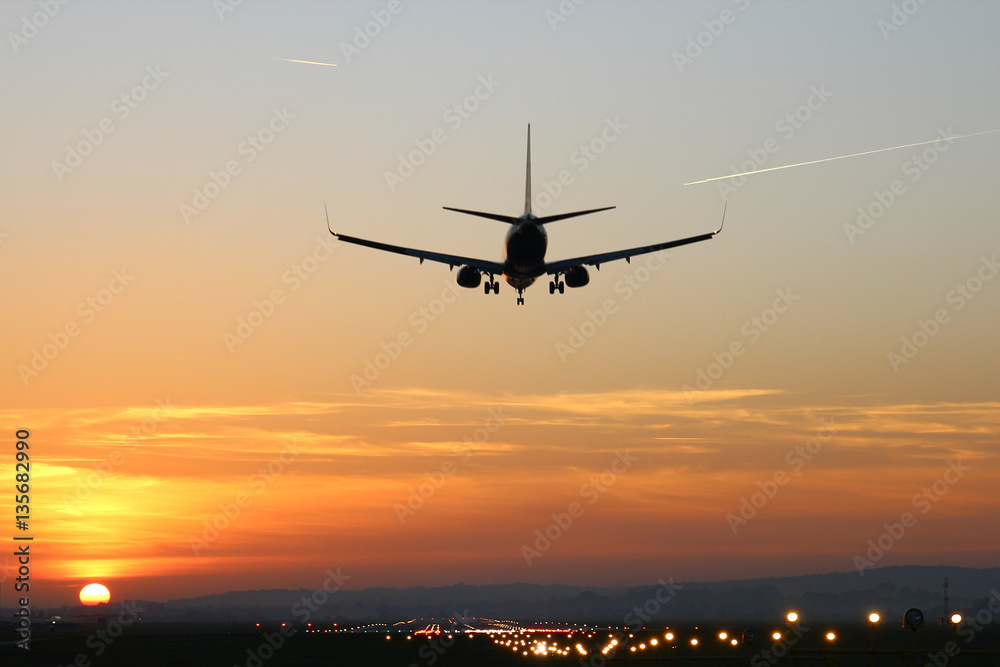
723	223
328	219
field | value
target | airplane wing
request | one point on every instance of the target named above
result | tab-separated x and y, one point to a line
601	258
495	268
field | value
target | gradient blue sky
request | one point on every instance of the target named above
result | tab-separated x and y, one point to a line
163	336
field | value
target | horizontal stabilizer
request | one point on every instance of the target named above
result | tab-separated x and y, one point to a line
510	220
563	216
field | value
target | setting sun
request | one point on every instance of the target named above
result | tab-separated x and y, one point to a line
92	594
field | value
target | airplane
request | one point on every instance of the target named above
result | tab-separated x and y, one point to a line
524	250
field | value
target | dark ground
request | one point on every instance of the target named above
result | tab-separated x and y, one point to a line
182	645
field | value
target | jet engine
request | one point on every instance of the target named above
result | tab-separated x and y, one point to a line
469	277
577	277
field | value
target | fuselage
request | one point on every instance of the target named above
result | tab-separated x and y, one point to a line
524	252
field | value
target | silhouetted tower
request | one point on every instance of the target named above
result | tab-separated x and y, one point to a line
947	611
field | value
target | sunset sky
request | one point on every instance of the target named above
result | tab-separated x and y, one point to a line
188	345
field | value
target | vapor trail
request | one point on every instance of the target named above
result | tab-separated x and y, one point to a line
305	62
843	157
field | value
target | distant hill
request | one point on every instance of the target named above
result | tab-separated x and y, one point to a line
838	596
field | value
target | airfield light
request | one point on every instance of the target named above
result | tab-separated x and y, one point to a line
723	635
669	636
792	616
734	641
874	617
654	641
830	636
955	619
775	635
913	618
694	641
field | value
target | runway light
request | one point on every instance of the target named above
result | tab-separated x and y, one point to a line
654	641
956	619
775	636
723	636
792	616
830	636
874	617
694	641
669	636
734	642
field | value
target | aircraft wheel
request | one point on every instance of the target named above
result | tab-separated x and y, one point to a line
496	287
562	288
520	300
552	287
486	288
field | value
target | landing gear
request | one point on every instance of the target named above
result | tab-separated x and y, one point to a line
520	297
491	285
557	285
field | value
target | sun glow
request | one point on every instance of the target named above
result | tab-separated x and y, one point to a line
92	594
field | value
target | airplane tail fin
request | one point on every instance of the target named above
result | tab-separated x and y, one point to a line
527	178
511	220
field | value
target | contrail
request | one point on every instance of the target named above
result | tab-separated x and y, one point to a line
305	62
844	157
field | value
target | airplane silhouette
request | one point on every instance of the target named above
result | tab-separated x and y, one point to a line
524	250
